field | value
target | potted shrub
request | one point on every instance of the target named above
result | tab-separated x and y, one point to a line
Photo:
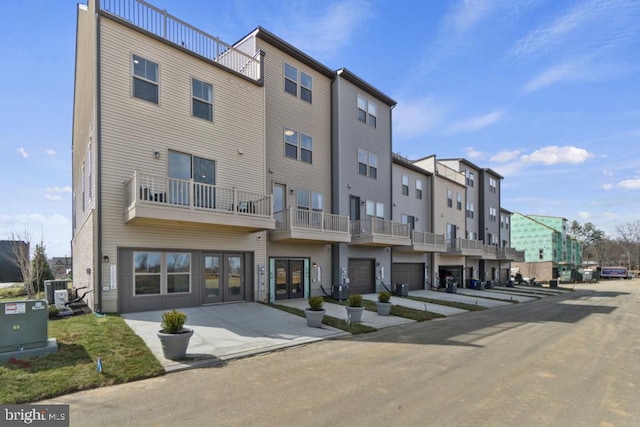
383	305
174	337
315	312
355	308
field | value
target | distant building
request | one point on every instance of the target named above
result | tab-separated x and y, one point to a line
60	267
9	272
550	252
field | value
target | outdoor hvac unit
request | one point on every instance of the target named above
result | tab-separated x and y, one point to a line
340	292
401	289
50	286
61	298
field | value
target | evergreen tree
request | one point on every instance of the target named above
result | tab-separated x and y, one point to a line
40	268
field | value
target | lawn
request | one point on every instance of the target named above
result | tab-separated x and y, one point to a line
81	340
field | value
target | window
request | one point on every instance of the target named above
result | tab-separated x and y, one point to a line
202	101
418	189
293	139
449	199
145	79
186	170
147	272
506	222
540	253
493	214
178	272
291	83
367	164
279	200
375	209
405	185
501	221
367	111
304	199
317	203
459	201
469	178
492	185
470	210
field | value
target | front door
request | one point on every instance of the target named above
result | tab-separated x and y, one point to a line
289	278
224	279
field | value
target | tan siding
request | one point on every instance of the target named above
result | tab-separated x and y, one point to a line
83	266
132	129
285	110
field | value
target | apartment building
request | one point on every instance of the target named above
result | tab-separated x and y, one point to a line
170	204
550	252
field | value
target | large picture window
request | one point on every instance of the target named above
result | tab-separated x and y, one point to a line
145	79
158	273
147	271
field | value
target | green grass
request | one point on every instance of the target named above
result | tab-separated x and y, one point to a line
455	304
354	328
512	301
81	339
396	310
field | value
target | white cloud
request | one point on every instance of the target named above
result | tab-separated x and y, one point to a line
50	152
24	153
468	14
414	118
555	74
476	123
630	184
607	172
53	197
506	156
324	33
607	186
609	215
584	215
472	153
66	189
553	155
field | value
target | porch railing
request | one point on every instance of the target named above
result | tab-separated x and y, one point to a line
294	218
429	239
188	194
377	226
464	244
162	24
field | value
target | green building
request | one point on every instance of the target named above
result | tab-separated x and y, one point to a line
549	251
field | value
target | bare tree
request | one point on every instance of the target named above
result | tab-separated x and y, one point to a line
630	238
19	247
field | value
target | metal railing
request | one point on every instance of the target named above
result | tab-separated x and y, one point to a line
188	194
162	24
294	218
377	226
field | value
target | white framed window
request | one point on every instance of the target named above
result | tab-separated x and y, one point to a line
469	178
459	201
449	199
145	79
493	214
367	164
405	185
375	209
418	189
470	210
294	140
493	185
367	111
292	76
202	99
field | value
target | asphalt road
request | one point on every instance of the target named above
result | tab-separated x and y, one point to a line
571	360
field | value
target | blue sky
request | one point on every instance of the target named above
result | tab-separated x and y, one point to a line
545	92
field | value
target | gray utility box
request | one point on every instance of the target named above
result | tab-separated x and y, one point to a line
340	292
23	325
51	286
401	289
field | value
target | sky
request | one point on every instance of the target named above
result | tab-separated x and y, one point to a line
544	92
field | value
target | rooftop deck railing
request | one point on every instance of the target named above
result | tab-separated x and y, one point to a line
162	24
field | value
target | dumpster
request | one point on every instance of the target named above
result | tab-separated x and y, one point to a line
401	289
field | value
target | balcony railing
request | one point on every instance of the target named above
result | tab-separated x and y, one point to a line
510	254
465	247
311	220
195	196
161	24
377	226
424	241
490	251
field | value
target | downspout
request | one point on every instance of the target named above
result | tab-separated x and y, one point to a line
335	179
98	207
391	251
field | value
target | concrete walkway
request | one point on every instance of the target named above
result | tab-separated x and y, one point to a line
444	296
418	305
492	294
228	331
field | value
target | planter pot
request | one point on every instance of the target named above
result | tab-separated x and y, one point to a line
174	346
314	317
383	308
355	313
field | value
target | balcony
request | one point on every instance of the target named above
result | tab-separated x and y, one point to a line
150	198
305	225
379	232
424	241
510	254
489	252
464	247
160	24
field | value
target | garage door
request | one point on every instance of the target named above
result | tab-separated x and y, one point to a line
411	273
361	276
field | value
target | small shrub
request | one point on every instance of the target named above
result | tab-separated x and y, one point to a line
54	313
355	300
384	296
316	303
173	321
